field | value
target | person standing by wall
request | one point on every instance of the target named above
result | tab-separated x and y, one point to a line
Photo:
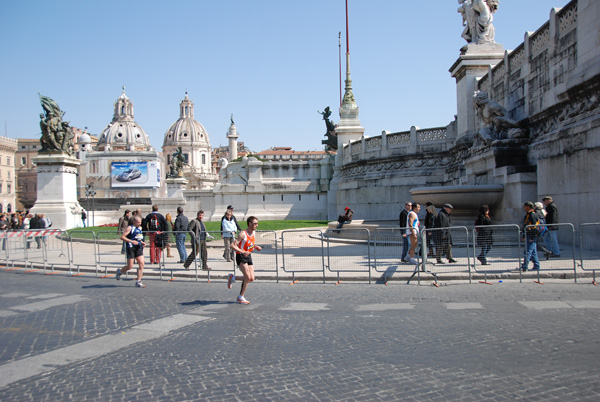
552	219
484	234
229	227
83	217
155	223
403	220
430	217
168	235
122	225
413	231
180	229
444	236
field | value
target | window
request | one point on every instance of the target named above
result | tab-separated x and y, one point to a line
24	160
8	188
0	187
203	159
8	160
8	174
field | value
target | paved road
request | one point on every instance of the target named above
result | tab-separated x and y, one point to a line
85	338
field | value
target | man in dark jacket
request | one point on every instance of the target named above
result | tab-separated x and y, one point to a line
180	228
199	236
530	234
551	219
443	237
153	223
403	221
37	223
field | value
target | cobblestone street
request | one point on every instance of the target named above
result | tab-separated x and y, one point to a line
85	338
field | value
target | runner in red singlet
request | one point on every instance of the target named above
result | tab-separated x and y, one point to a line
243	247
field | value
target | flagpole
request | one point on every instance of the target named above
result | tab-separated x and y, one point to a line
347	37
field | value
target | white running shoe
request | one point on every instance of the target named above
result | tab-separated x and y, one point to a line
230	280
242	300
413	261
139	284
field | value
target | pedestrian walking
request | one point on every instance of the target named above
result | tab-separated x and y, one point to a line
134	238
530	234
484	234
543	230
83	216
244	246
180	229
199	236
552	220
444	236
430	217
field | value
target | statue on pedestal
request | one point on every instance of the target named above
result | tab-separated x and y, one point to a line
57	135
331	135
177	163
477	20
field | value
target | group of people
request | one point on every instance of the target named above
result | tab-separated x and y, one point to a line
438	240
161	228
25	221
539	228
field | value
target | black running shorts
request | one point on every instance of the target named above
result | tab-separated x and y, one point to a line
241	259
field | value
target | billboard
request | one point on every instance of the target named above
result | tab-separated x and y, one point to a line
134	174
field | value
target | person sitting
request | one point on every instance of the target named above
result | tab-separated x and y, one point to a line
346	217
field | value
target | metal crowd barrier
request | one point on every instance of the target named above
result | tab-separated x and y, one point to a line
589	248
341	258
497	252
568	255
34	247
305	243
451	244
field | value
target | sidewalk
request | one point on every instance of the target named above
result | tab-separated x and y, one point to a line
302	260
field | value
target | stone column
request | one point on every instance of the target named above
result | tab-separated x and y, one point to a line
57	189
473	63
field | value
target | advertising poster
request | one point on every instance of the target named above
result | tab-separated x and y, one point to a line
134	174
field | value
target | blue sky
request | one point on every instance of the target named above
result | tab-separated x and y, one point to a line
272	63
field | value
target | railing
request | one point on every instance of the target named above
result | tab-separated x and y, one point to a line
488	252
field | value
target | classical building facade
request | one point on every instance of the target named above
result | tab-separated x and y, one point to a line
8	148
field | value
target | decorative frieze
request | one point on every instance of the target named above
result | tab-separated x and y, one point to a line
434	134
398	138
540	40
567	19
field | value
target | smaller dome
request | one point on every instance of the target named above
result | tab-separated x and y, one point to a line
85	139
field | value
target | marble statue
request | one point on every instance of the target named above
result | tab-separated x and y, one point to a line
57	135
496	126
331	140
477	18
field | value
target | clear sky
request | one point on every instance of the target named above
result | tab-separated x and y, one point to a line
272	63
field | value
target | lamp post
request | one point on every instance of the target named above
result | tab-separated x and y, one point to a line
90	192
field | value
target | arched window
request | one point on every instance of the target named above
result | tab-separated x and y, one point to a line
9	208
203	159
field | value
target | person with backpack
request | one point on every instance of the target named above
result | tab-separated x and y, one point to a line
543	231
155	225
430	217
530	232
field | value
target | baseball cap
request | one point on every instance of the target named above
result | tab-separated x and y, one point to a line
529	204
448	206
346	208
229	206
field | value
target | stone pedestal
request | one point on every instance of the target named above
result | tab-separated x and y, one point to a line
473	63
57	190
175	187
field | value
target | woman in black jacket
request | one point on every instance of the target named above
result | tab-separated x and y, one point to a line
484	235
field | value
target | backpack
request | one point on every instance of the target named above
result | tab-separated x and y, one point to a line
153	224
541	225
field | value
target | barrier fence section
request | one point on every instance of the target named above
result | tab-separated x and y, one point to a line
566	260
34	246
497	249
589	247
453	245
83	246
388	244
351	255
267	259
305	243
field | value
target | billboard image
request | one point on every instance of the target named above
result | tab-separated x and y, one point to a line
134	174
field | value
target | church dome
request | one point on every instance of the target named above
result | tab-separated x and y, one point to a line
186	130
123	133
